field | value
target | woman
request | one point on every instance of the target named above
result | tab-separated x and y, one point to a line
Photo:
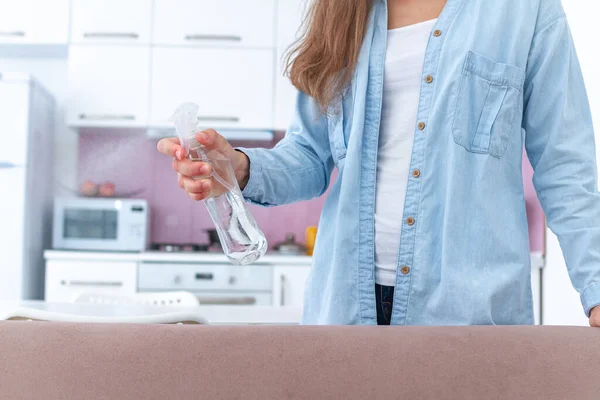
424	106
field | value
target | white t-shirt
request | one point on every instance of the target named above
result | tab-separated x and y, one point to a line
401	89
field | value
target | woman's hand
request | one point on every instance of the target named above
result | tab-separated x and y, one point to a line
595	317
194	176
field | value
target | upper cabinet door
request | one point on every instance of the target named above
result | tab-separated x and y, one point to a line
233	87
34	21
289	21
108	86
238	23
111	21
290	14
15	21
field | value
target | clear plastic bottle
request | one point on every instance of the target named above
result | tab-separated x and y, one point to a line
242	240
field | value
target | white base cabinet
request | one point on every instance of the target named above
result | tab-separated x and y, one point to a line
66	279
561	302
274	281
288	285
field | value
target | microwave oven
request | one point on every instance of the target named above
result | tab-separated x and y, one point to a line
100	224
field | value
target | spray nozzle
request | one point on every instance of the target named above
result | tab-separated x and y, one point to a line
185	120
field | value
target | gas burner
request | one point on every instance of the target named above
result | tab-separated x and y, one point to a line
179	247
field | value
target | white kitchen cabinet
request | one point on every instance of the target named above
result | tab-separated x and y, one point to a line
537	265
14	124
212	283
12	241
288	285
41	22
561	302
111	21
66	279
290	14
222	23
233	87
108	86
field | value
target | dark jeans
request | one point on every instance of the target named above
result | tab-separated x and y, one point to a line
384	298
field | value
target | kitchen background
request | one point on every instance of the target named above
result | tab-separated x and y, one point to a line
137	166
119	68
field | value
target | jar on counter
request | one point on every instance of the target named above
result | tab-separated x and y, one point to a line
311	237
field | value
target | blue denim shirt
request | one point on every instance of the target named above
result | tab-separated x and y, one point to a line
498	75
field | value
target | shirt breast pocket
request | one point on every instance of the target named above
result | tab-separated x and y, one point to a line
488	99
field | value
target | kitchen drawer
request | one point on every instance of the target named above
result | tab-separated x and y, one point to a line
111	21
233	87
212	277
222	23
108	86
67	279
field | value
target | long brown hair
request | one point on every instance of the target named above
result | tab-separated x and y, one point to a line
323	60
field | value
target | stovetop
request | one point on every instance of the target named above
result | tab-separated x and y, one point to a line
182	247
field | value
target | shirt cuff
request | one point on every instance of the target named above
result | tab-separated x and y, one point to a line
590	297
253	189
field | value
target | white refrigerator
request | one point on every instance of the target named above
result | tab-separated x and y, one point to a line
26	183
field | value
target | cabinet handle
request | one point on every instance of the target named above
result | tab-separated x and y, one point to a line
282	300
106	117
221	119
13	33
111	35
224	38
230	301
92	283
7	165
204	276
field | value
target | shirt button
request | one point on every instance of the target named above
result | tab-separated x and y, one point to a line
421	126
410	221
405	270
416	173
429	79
437	33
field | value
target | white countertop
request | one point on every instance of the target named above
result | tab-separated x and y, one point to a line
214	315
537	258
182	257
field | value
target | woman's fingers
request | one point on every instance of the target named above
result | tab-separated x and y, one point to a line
192	169
196	187
194	176
171	147
211	140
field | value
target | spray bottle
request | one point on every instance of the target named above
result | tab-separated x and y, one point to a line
242	240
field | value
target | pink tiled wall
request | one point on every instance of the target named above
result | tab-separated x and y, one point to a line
132	163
